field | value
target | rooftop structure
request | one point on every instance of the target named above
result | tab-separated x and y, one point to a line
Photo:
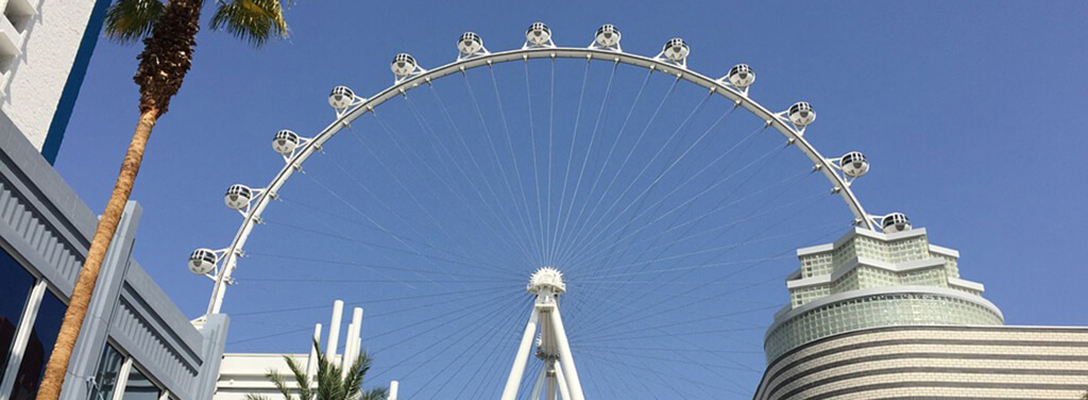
868	279
245	374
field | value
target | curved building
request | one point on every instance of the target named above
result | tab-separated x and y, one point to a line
886	316
934	362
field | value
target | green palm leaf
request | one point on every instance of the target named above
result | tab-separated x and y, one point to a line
379	393
280	383
255	21
299	373
128	21
331	383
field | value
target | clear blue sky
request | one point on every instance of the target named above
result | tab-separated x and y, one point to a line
970	111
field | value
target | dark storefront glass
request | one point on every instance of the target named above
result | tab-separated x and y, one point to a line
15	284
139	387
38	348
106	377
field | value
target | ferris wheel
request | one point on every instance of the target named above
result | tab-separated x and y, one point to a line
654	202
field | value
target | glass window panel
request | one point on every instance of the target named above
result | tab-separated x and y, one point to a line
15	284
139	387
38	347
106	376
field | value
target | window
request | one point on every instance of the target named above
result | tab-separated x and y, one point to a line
115	370
109	367
39	347
18	13
139	387
15	284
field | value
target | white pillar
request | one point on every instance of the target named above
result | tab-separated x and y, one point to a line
349	342
22	336
334	331
357	319
562	380
510	392
565	358
358	347
539	385
393	387
311	362
551	394
122	379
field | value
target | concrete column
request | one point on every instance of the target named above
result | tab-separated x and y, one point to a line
92	336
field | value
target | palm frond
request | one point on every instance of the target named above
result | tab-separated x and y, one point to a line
378	393
353	382
301	377
255	21
281	384
128	21
329	384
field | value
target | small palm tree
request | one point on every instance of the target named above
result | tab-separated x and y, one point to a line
168	29
332	384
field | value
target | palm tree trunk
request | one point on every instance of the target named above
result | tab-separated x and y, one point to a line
164	62
81	296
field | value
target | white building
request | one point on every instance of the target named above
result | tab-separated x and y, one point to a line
886	315
241	374
45	46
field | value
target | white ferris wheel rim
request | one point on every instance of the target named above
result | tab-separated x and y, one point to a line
251	214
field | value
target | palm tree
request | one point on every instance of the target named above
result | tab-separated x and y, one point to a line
332	384
168	30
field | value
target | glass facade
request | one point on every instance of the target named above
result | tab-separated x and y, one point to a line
15	285
870	261
851	259
109	368
30	318
42	338
135	385
139	387
875	311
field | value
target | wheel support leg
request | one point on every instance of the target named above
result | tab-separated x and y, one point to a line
566	360
517	371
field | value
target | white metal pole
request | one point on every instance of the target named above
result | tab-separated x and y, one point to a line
552	383
358	348
351	349
394	386
349	342
565	357
220	288
122	379
539	385
22	336
510	392
564	390
334	331
357	319
311	362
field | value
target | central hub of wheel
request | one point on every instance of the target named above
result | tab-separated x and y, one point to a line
546	280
